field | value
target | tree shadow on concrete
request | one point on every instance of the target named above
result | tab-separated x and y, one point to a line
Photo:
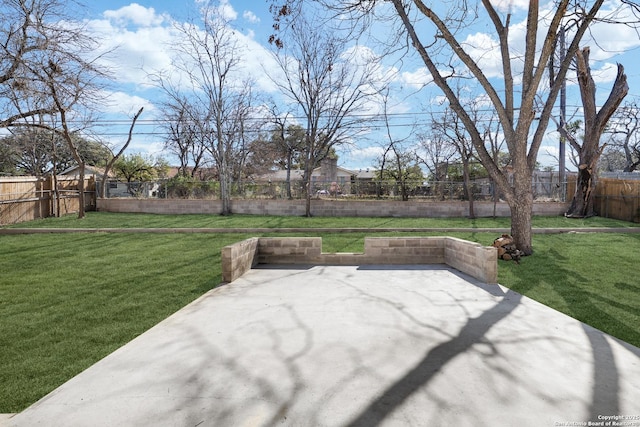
194	397
472	333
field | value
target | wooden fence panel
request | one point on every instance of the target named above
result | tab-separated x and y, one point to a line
29	198
618	199
21	199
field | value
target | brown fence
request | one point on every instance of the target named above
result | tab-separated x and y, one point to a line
619	199
28	198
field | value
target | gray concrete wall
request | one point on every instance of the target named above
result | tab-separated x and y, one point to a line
322	207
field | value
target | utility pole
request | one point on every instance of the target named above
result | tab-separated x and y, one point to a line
562	176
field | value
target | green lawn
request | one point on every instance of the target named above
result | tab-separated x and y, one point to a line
67	300
116	220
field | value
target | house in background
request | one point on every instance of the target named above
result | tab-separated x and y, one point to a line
89	171
328	178
115	188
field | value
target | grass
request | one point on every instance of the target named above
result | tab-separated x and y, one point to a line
128	220
590	277
67	300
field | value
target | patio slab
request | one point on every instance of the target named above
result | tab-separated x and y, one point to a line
356	346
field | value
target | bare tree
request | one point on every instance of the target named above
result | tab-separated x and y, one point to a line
262	155
49	69
182	137
450	127
29	33
624	138
396	161
435	153
214	99
179	136
494	138
245	125
67	88
116	156
595	122
289	142
330	86
433	32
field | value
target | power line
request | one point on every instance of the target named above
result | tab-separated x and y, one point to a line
372	122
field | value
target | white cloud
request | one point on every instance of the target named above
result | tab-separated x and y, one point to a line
485	50
134	14
137	42
605	39
416	79
610	39
508	6
607	73
226	11
257	62
126	104
250	16
141	42
359	157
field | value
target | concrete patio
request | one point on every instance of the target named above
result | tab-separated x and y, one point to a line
421	345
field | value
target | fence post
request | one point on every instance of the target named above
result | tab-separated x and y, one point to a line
93	191
47	186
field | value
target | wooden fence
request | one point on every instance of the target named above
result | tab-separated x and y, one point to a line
28	198
619	199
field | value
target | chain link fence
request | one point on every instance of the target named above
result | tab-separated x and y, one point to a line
481	190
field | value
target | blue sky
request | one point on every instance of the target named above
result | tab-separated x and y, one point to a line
142	31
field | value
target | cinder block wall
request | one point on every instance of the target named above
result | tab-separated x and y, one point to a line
239	258
471	258
159	206
404	250
290	250
322	207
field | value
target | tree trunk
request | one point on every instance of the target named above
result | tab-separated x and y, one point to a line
307	191
81	211
594	124
468	187
81	165
288	183
56	196
404	191
582	202
224	194
521	223
520	200
223	174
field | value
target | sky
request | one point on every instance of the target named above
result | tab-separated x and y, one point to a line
142	32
